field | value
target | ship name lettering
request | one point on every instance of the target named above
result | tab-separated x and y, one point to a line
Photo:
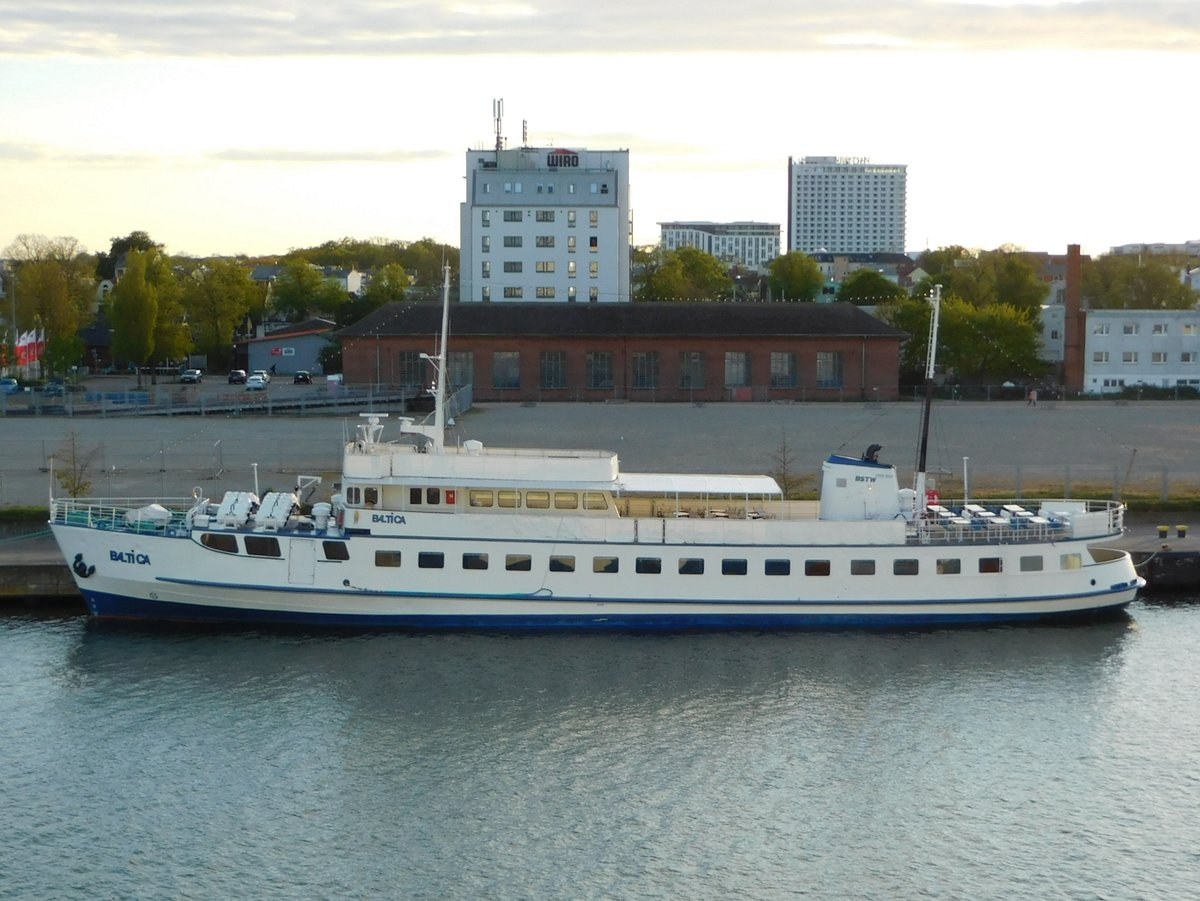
129	557
866	478
393	518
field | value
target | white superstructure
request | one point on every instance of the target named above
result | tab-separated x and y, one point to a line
846	205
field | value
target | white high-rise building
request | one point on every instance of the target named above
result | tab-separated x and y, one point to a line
845	205
546	224
751	245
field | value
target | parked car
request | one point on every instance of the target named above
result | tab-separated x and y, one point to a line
266	376
237	377
191	377
256	383
303	377
54	389
9	386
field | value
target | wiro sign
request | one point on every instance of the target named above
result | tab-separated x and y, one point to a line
562	159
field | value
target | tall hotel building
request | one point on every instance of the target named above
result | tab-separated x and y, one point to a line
845	205
546	224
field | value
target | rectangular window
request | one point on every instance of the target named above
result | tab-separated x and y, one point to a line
733	567
544	216
216	541
462	368
691	369
480	497
1159	328
1100	356
949	566
562	563
485	267
506	369
512	240
544	240
552	369
593	244
1032	564
593	218
783	369
1189	329
537	500
1129	328
1100	328
691	566
1159	357
258	546
431	560
737	368
514	266
506	497
594	500
816	567
485	293
777	568
571	268
543	266
593	269
335	550
485	218
518	562
862	567
474	561
545	292
1188	356
648	565
644	364
1070	561
991	564
410	368
599	369
593	294
1129	357
905	567
570	218
570	243
605	564
387	558
512	291
485	243
829	369
512	216
566	500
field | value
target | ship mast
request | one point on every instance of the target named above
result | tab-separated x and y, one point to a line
436	432
930	357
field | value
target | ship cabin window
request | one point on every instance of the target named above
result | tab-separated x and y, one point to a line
862	567
370	496
949	566
566	500
605	564
353	496
414	497
1071	561
562	563
262	546
518	563
537	500
478	497
431	560
648	565
508	498
691	566
777	568
990	564
735	567
1031	564
335	550
387	558
433	495
218	542
816	567
594	500
475	561
905	567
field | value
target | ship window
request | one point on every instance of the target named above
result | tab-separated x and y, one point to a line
433	495
518	563
414	497
691	566
508	498
480	498
475	561
594	500
736	567
562	563
949	566
371	496
990	564
777	568
905	567
537	500
353	496
862	567
431	560
816	567
605	564
336	550
1071	561
566	500
261	546
218	542
650	565
1031	564
387	558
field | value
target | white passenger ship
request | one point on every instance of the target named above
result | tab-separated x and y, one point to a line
424	535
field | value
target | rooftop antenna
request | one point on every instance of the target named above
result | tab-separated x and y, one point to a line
497	119
524	132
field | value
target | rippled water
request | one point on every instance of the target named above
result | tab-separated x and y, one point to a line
1000	763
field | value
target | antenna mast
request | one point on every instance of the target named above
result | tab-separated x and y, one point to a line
497	120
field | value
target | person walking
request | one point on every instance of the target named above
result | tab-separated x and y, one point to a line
1031	401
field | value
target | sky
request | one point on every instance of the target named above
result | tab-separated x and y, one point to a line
257	126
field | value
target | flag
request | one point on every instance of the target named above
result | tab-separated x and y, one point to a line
23	342
38	345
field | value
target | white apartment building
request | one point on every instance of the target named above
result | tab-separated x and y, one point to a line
750	245
546	224
846	205
1125	348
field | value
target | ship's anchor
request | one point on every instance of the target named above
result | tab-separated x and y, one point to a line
82	569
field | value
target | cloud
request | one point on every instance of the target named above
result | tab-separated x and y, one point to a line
373	28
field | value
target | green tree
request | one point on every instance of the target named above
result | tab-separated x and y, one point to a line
1004	276
106	263
795	276
172	334
134	312
684	274
867	287
302	290
1125	282
217	298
